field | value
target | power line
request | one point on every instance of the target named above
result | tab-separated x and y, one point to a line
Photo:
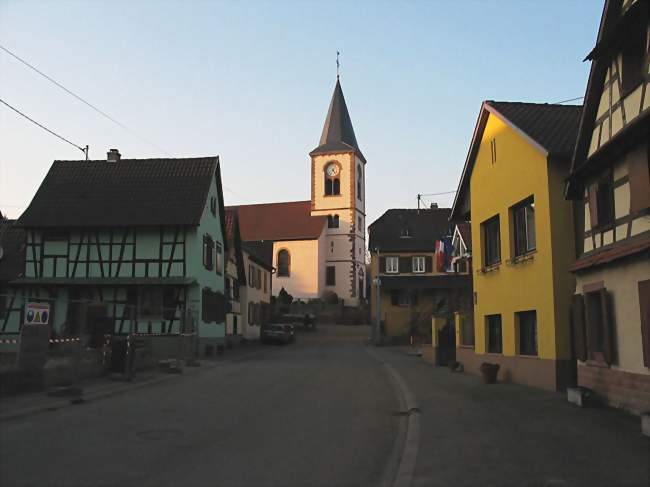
566	101
45	128
87	103
437	194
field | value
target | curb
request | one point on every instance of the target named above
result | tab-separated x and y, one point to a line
400	468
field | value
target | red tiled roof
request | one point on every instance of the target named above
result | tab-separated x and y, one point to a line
604	256
231	213
279	221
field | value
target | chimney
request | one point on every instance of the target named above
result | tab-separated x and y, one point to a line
113	155
434	206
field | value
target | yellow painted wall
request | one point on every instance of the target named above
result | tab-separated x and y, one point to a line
520	171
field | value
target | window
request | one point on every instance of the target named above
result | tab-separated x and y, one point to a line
392	265
258	277
265	285
228	288
466	330
605	202
251	318
494	340
284	263
218	258
527	323
491	241
632	58
523	216
359	184
251	276
360	223
208	245
332	221
418	264
405	233
403	298
213	205
598	326
150	303
330	276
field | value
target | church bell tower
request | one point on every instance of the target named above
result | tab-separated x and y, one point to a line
338	174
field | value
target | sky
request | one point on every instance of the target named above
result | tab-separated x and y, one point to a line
251	81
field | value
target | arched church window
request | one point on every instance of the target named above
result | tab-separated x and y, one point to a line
359	185
332	177
284	263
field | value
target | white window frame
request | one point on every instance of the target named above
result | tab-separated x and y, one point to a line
418	263
392	265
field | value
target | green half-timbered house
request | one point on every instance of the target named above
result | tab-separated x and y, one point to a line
125	245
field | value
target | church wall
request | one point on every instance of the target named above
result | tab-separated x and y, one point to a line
304	276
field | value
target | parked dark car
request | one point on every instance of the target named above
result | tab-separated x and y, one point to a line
278	333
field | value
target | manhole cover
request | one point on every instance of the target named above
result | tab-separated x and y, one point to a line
159	434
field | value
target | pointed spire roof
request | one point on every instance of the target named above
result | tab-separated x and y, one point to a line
338	133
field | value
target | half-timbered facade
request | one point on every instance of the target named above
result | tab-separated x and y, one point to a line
126	246
610	187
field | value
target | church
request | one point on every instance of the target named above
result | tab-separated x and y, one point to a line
319	244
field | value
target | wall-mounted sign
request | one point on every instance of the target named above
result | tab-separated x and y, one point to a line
37	313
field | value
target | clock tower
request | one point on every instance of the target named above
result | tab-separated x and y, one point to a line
338	193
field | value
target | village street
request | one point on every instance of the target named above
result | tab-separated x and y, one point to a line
323	411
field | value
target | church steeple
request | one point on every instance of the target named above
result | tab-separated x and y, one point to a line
338	133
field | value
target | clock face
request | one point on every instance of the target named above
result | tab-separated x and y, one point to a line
332	170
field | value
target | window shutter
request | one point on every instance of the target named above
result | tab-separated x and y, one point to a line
205	305
394	297
644	305
428	263
639	176
382	264
578	323
220	307
608	328
593	206
405	264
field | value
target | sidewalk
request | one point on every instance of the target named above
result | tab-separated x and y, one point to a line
21	405
511	435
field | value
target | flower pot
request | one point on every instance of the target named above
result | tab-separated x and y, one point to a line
489	372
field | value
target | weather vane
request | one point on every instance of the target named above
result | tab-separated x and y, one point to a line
337	64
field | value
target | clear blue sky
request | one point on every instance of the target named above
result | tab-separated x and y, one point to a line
251	82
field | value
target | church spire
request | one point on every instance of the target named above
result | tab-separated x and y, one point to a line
338	133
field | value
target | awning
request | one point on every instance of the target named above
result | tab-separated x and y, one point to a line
451	281
105	281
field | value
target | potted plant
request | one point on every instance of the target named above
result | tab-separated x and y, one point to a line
489	372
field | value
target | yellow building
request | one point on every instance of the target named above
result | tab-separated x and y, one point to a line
610	187
512	191
414	286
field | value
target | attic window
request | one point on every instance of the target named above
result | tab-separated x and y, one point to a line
213	205
406	233
493	150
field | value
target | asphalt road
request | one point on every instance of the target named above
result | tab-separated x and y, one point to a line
317	412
